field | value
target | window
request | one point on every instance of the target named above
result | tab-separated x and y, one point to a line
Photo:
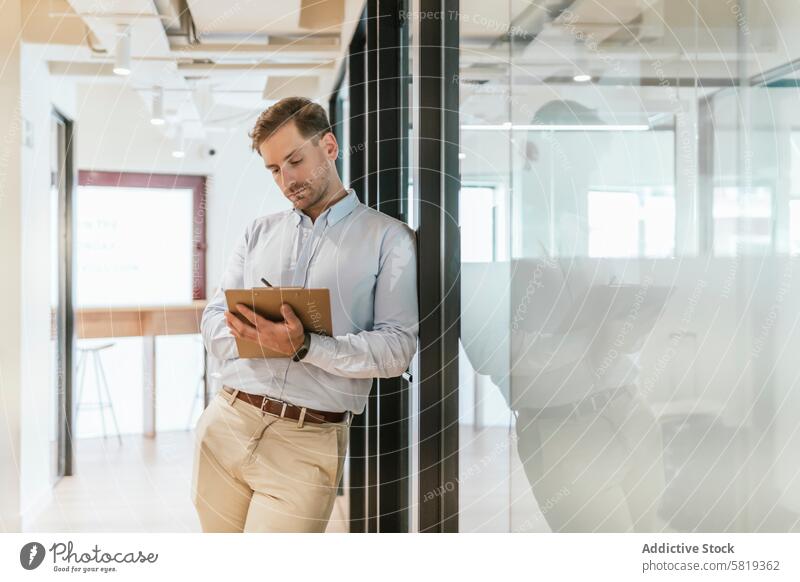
742	221
136	229
481	220
631	224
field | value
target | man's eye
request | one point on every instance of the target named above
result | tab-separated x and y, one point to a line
295	162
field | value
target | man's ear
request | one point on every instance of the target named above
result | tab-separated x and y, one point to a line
330	145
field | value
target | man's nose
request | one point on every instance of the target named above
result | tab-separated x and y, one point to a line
282	178
288	178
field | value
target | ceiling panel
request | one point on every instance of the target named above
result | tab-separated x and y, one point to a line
270	16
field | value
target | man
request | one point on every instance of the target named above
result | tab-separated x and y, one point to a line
270	447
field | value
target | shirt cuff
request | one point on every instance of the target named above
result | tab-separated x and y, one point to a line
321	350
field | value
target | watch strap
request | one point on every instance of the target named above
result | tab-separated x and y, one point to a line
302	350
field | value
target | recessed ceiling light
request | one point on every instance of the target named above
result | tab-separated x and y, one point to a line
559	127
582	78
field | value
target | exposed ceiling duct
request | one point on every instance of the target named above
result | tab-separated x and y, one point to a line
199	63
228	53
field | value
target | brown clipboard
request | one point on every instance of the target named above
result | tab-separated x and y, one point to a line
312	306
604	303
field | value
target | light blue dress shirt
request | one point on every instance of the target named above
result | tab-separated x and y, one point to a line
368	261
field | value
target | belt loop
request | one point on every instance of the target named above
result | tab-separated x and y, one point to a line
283	410
302	417
231	395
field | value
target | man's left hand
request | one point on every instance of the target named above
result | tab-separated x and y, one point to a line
284	337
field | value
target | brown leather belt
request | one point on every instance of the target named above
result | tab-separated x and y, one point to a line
286	410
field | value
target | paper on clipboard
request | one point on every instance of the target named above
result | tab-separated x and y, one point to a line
312	306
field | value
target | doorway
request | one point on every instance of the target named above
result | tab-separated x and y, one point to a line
62	183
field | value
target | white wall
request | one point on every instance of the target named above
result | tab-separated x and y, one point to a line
40	94
10	262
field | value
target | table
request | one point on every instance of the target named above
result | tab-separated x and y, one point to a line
146	322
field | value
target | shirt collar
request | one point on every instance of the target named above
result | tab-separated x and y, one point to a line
336	212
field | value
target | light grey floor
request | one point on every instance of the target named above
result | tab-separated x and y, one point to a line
142	485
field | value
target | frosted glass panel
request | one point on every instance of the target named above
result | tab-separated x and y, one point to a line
121	365
653	175
794	227
476	220
613	224
179	377
133	246
179	381
742	221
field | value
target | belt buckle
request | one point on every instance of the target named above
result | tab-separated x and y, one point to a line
264	401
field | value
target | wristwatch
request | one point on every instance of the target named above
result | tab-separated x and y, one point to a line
303	350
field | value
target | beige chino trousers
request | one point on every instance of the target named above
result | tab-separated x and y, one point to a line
256	472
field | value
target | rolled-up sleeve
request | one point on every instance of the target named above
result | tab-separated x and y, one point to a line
217	337
386	350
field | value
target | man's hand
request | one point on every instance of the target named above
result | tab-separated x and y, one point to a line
284	337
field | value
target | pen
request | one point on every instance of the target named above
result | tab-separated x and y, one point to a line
263	280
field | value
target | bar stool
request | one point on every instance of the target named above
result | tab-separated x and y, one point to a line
103	402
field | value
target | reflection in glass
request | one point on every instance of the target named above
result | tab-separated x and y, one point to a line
627	363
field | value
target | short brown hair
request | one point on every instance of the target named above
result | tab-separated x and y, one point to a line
309	117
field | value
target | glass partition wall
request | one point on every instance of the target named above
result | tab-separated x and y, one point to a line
630	224
606	196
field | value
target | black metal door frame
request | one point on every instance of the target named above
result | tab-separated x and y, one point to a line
436	185
65	180
372	419
392	436
381	486
358	483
